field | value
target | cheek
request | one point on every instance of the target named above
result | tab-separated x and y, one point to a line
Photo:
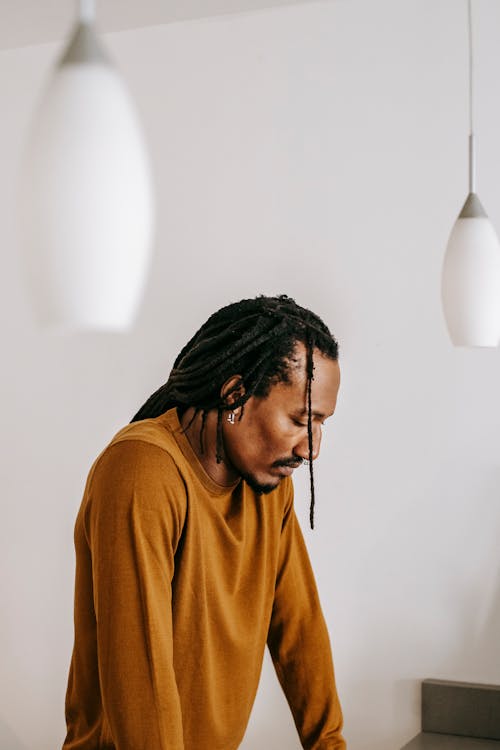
265	439
280	439
256	449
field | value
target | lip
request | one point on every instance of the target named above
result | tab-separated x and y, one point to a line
285	471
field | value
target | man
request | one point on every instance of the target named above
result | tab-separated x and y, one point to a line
189	557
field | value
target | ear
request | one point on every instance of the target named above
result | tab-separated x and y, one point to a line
232	390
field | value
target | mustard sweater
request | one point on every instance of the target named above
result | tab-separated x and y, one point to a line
179	584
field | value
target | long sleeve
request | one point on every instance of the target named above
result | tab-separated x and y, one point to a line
132	524
300	647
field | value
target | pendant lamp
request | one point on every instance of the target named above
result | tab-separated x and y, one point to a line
87	193
471	272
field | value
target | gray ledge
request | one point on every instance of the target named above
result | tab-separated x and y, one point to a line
462	708
431	741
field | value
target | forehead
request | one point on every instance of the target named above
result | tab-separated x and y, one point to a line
324	386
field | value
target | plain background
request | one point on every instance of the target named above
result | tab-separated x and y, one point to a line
321	151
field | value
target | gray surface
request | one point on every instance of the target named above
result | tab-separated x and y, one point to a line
461	708
429	741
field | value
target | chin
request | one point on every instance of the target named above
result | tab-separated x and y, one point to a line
261	488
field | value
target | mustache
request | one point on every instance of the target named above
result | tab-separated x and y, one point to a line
293	462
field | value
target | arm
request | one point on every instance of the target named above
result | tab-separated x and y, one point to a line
134	522
300	647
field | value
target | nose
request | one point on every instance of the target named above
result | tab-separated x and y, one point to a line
302	448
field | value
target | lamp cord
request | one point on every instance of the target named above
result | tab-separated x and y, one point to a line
471	72
86	10
472	144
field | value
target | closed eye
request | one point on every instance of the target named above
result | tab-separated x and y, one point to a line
301	423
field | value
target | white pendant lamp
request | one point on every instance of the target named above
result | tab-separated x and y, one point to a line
471	272
88	202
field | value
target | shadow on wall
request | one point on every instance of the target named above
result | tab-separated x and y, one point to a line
476	656
272	736
481	654
8	739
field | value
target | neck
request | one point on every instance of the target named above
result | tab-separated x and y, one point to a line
204	445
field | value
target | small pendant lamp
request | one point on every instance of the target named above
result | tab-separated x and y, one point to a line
470	283
87	193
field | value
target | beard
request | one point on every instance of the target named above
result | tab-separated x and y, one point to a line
260	489
265	489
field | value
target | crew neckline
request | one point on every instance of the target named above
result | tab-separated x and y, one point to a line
170	420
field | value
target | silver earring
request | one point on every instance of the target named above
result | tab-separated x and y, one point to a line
230	417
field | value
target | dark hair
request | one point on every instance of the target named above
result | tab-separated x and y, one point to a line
254	338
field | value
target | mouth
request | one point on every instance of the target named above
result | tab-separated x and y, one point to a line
286	468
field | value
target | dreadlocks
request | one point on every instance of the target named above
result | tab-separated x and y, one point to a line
254	338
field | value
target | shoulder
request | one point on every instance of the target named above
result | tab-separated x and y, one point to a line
141	447
137	461
142	463
156	432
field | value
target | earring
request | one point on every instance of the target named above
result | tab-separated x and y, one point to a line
230	417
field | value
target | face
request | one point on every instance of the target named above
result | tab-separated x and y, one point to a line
270	440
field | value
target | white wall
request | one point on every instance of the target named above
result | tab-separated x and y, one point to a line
318	150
